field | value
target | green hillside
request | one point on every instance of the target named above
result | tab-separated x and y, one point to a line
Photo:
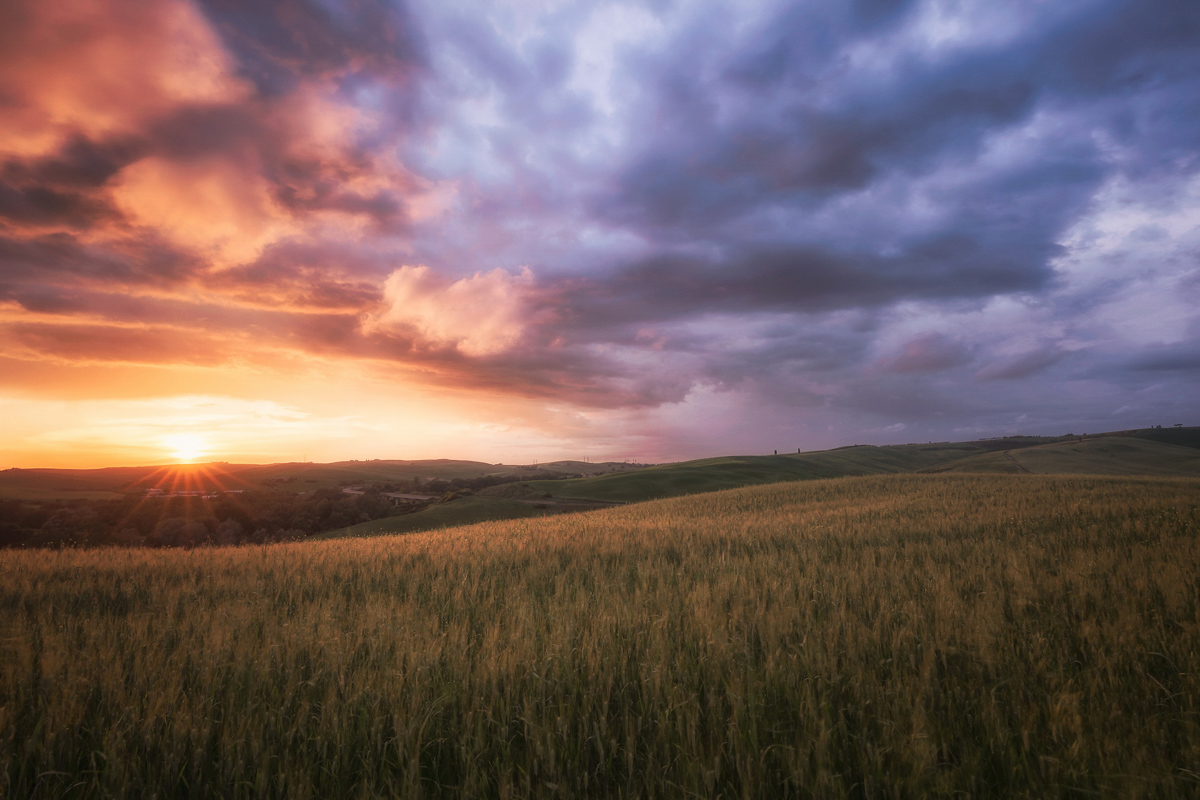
1148	451
341	473
383	471
712	474
1102	455
1108	455
1188	437
514	491
461	511
469	509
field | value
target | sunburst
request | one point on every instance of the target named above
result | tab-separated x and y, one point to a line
187	447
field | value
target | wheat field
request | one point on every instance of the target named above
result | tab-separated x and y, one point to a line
882	637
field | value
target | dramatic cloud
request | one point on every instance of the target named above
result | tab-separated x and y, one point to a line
480	315
644	231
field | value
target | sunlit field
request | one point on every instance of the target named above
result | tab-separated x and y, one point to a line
878	637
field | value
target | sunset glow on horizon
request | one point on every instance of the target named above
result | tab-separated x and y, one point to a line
298	230
187	447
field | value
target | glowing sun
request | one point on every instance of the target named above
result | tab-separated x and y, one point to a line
186	446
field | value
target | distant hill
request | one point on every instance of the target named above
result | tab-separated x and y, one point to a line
1147	451
1187	437
1106	455
93	484
1155	451
713	474
341	473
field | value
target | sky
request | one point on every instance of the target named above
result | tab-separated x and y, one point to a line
513	231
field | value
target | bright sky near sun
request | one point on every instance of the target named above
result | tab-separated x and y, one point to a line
507	231
187	447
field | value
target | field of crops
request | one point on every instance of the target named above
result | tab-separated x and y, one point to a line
877	637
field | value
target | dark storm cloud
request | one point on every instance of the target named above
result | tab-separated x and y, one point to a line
281	42
910	399
738	187
779	361
42	205
81	163
1179	358
797	280
193	132
61	188
61	259
732	150
806	129
929	353
805	136
1021	366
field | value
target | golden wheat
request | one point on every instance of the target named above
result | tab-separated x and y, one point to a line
903	636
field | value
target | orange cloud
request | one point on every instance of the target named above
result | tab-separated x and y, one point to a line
481	315
103	68
74	343
209	206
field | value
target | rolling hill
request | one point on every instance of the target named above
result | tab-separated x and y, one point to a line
536	490
1100	456
712	474
44	484
462	511
1167	451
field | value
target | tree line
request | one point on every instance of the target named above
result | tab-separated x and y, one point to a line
252	517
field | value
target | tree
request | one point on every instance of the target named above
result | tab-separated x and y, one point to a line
178	532
230	532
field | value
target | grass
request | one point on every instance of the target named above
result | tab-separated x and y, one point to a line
877	637
303	476
496	503
1110	455
466	510
714	474
1187	437
1101	456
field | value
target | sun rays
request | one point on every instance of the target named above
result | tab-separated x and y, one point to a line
187	447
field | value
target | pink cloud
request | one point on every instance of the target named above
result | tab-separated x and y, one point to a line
482	315
931	352
102	68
